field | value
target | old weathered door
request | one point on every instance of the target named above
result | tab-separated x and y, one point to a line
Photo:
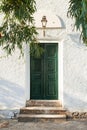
44	74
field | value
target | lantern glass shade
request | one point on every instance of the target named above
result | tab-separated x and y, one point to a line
44	21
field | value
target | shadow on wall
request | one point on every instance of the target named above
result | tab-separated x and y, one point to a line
62	22
11	95
73	103
76	39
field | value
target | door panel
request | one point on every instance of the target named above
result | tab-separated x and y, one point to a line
51	78
44	74
36	78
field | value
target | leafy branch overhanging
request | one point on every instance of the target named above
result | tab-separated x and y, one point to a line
78	10
18	26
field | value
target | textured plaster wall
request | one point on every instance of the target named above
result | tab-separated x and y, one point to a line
12	83
74	58
75	74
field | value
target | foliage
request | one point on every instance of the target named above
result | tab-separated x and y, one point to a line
78	10
18	25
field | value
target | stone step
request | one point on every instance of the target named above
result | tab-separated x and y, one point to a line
42	110
49	103
40	117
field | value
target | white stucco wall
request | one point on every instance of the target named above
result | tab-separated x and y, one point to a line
12	83
75	74
12	69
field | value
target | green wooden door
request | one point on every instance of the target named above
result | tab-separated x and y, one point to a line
44	74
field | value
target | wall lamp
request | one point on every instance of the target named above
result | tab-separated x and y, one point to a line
44	23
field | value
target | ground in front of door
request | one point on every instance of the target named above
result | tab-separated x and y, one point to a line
64	125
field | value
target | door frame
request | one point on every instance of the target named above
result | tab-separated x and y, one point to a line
60	69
